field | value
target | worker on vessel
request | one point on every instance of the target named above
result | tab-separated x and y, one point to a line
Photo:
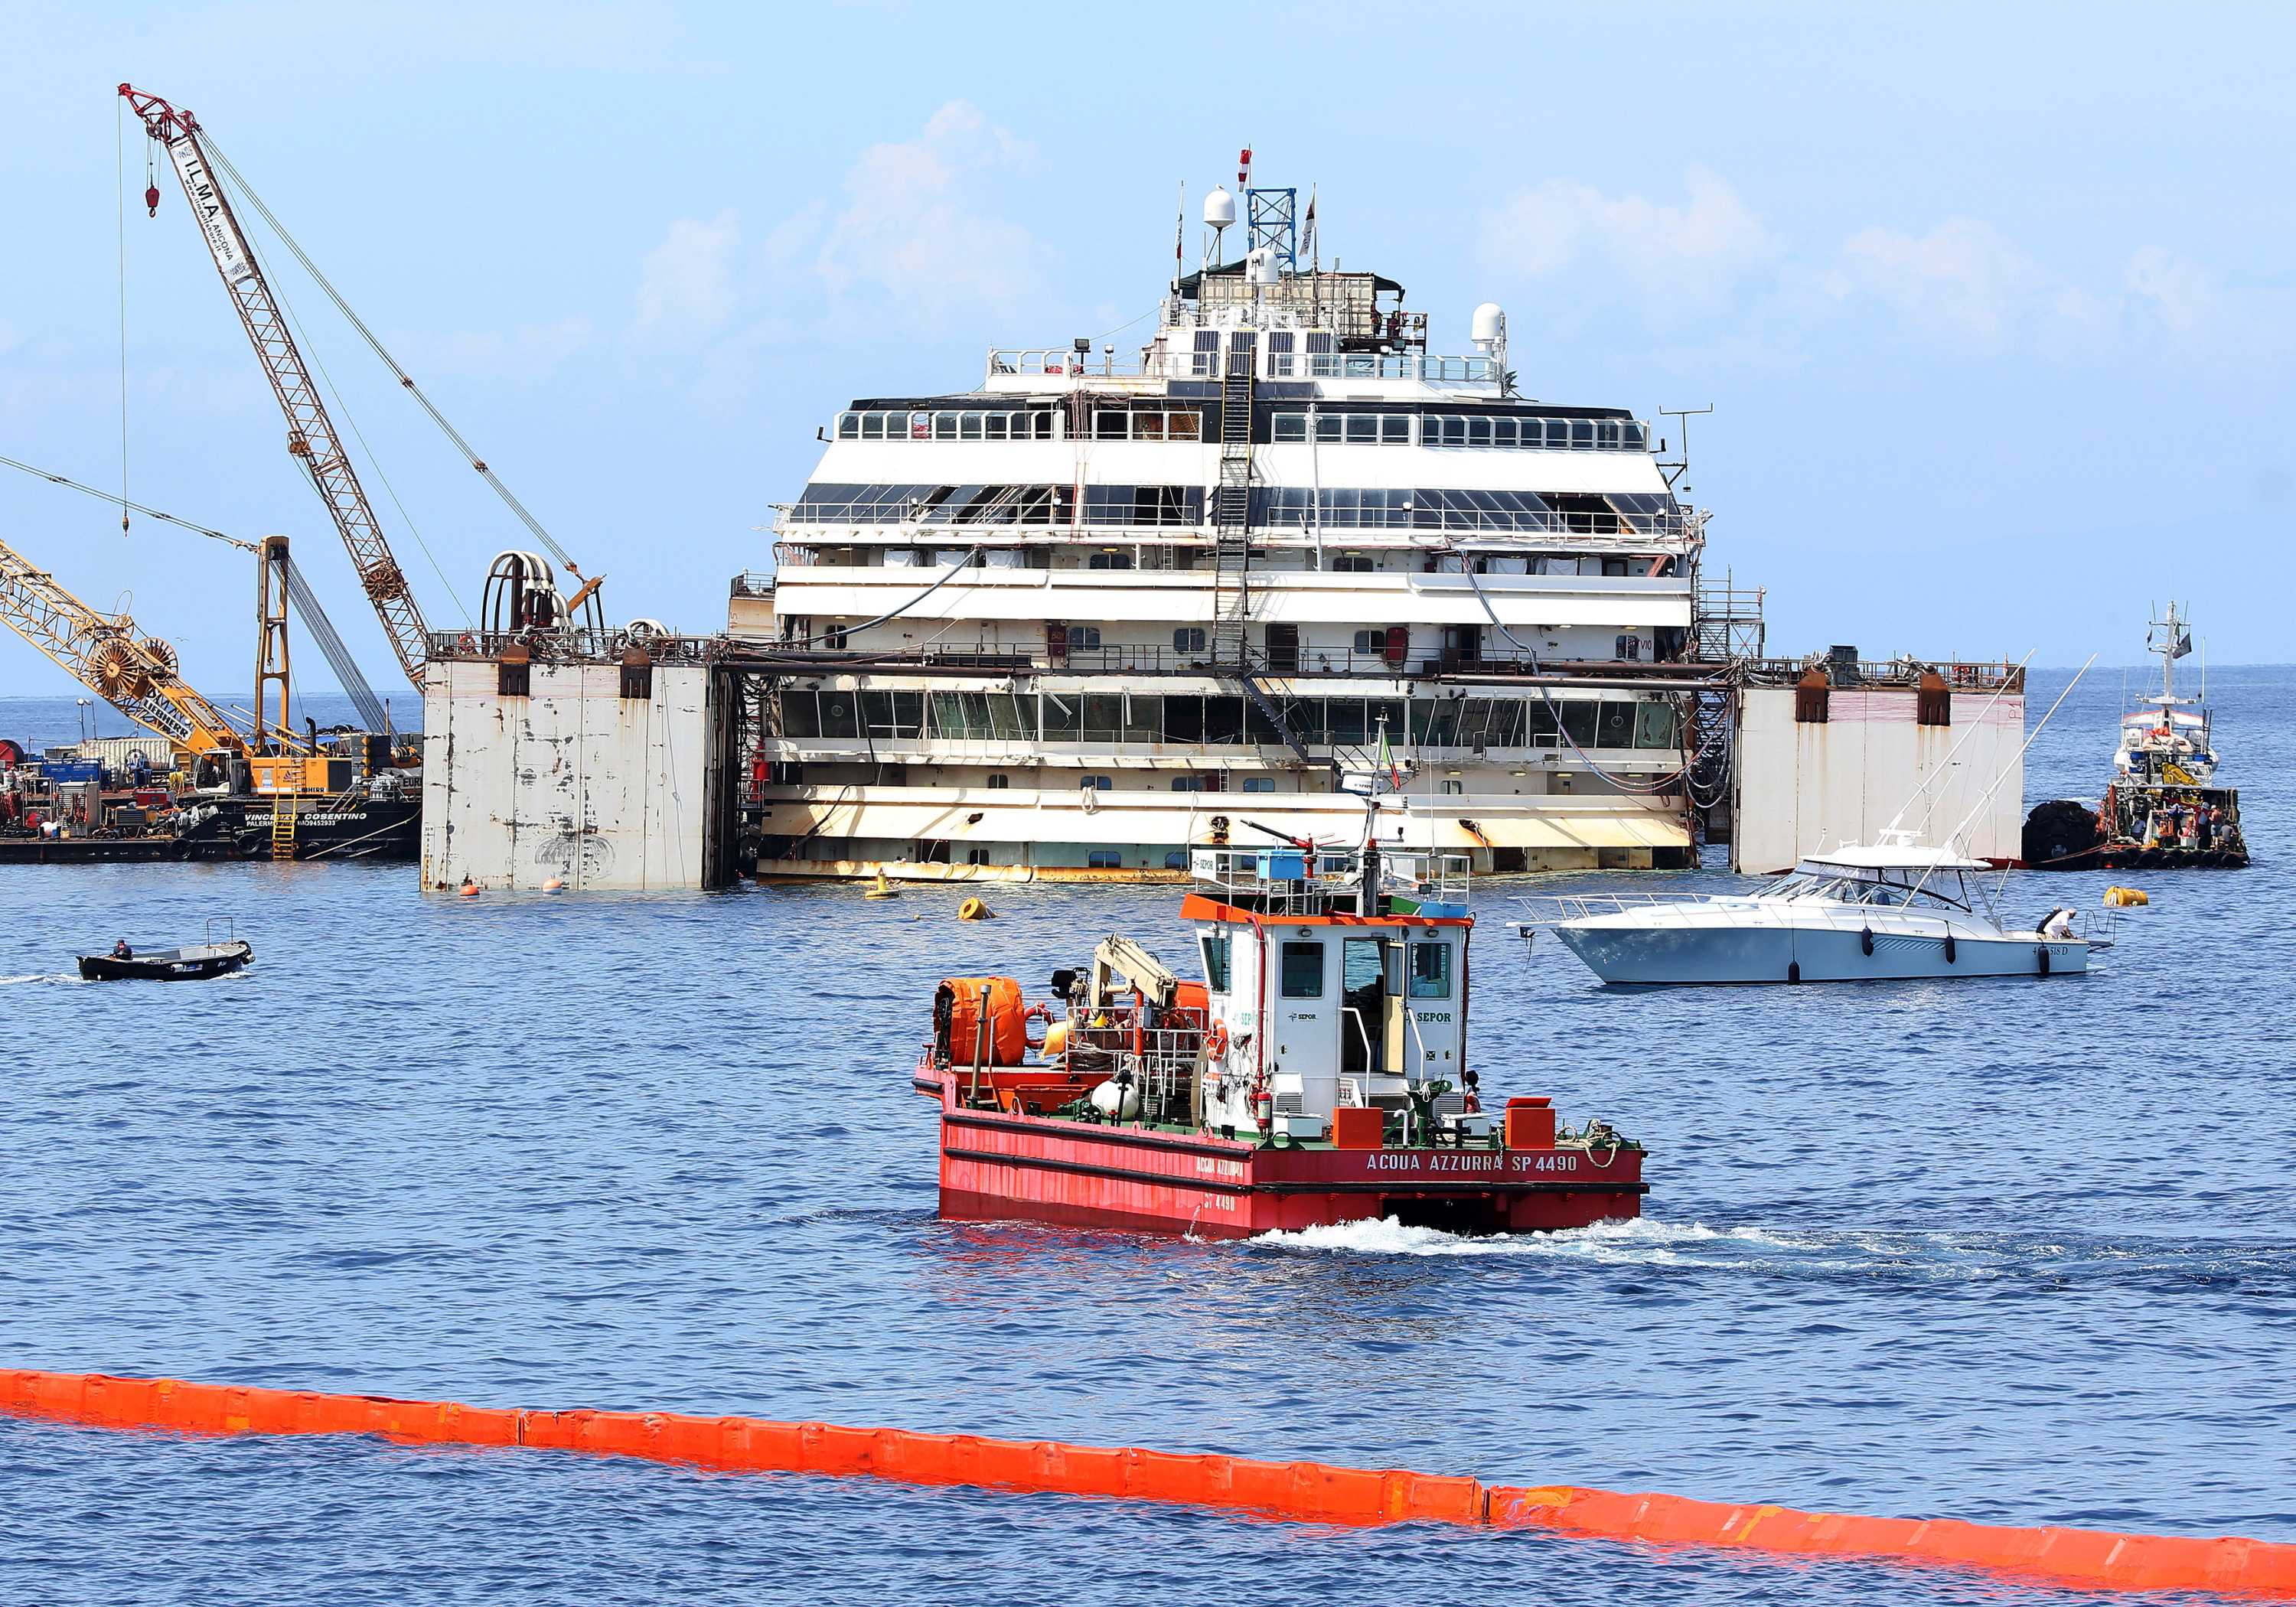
1471	1101
120	951
2059	923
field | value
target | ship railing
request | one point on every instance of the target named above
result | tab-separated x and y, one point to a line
1066	363
1428	876
759	583
1276	879
1845	674
574	646
820	522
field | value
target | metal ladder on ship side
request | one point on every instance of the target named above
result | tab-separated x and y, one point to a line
1232	518
283	825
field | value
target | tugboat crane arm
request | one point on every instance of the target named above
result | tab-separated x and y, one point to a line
1122	957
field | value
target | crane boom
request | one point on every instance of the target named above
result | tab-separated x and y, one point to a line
310	434
135	674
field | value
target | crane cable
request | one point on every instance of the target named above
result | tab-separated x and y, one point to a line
223	164
348	675
121	502
119	209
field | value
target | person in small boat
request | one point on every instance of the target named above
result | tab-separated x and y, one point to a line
2059	923
120	951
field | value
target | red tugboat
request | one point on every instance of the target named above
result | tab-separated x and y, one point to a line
1316	1075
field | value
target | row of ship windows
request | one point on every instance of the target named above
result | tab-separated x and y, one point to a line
1337	507
1462	430
1189	720
1186	424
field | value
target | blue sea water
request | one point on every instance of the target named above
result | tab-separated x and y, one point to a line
2017	1251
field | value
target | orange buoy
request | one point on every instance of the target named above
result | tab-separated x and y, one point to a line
469	890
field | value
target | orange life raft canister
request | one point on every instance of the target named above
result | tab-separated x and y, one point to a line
956	1021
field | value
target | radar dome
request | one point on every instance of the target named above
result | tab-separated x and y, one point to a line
1490	323
1220	208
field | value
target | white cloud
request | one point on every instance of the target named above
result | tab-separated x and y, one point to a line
911	237
2184	295
1963	280
1696	250
685	286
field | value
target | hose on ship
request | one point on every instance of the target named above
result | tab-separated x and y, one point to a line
1624	783
962	565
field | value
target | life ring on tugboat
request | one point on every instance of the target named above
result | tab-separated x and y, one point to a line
1036	1013
1216	1042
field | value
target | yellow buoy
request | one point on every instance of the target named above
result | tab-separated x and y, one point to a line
2127	897
881	888
973	909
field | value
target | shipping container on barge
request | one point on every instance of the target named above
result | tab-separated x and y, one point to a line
1316	1074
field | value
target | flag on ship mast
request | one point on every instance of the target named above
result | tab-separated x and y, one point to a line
1308	227
2184	645
1386	758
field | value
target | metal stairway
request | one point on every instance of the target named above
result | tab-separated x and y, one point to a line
1232	518
283	825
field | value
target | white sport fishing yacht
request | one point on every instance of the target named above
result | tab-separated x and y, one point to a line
1894	910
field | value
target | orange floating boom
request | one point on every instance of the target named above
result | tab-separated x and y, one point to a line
1310	1490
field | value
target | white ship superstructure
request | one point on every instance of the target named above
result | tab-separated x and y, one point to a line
1096	610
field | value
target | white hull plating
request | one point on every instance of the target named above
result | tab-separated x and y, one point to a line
1663	956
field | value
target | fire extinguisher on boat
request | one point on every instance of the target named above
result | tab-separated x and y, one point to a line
1263	1110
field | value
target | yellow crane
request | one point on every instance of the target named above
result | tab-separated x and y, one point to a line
135	674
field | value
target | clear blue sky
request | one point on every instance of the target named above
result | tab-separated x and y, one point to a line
1994	304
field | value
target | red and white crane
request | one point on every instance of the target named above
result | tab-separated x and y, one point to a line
310	434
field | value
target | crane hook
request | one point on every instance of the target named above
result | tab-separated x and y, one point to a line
151	199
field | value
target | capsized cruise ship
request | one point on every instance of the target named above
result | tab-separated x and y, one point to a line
1097	610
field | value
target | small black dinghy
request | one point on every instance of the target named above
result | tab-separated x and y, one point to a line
194	963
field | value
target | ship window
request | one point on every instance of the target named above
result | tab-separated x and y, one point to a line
1607	433
1098	783
873	426
1431	970
1183	426
1108	425
1290	427
1582	434
1259	783
1395	429
1205	358
993	426
1478	432
1188	638
1216	963
1328	425
1614	726
1147	426
1084	638
1108	561
1188	784
1635	440
1578	722
1655	725
1104	859
848	426
1363	426
1303	971
1503	433
1355	563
